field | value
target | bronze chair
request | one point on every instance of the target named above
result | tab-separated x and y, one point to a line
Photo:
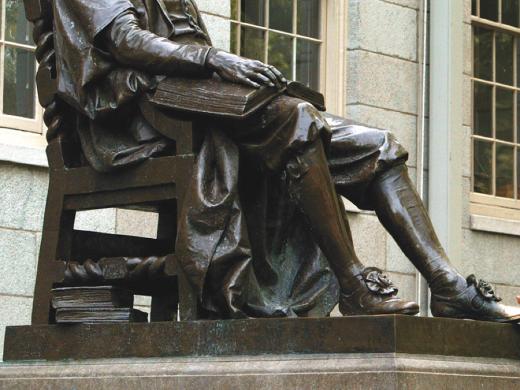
73	257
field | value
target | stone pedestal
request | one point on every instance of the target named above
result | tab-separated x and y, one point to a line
298	372
384	352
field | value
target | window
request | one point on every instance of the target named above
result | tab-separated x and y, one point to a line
496	102
19	108
285	33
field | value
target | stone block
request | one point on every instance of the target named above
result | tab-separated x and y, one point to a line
274	337
17	262
406	3
406	285
137	223
385	28
342	371
382	81
100	221
22	196
221	7
404	126
13	311
396	261
369	239
219	29
493	257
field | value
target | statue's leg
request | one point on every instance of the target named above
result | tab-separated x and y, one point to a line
401	211
311	185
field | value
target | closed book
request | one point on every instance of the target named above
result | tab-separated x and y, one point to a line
99	315
219	98
91	297
301	91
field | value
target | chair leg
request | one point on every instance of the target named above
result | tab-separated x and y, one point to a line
55	246
165	305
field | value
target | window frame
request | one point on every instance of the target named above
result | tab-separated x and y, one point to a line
333	50
10	122
484	204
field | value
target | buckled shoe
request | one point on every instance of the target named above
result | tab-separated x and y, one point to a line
478	301
376	294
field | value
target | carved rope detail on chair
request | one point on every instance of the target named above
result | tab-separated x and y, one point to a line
132	269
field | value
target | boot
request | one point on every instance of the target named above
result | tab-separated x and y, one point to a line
364	291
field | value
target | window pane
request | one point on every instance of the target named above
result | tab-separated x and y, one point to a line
505	169
309	17
17	28
474	7
510	12
504	114
253	11
489	9
504	52
482	167
281	15
308	63
19	70
252	43
280	53
483	53
483	100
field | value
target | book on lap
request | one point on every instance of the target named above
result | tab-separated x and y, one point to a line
215	97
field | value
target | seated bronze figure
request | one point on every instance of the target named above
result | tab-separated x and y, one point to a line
264	226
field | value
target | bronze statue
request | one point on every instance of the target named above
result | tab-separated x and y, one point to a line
265	229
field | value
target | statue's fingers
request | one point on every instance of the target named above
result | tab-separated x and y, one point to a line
267	72
262	78
248	81
278	74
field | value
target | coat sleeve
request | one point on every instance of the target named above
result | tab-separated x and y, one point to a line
135	47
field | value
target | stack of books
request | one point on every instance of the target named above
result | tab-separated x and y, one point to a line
90	305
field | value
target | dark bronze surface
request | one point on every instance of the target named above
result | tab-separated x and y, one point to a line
364	334
250	207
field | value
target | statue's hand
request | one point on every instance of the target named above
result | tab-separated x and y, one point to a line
241	70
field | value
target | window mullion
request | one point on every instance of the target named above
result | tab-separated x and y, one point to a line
494	118
2	57
266	37
2	33
515	120
294	39
2	73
